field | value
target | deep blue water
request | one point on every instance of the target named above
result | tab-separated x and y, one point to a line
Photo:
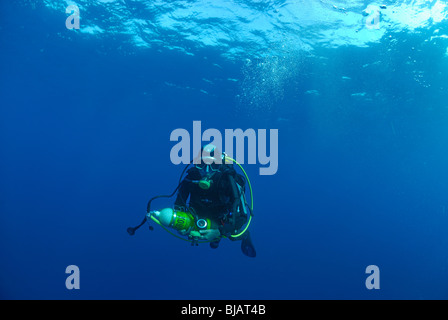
85	124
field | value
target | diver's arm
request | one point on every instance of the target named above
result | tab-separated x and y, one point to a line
210	234
238	219
235	196
182	194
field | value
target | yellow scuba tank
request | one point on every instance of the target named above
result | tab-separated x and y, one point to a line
179	220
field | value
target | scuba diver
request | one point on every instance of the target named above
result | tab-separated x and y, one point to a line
217	206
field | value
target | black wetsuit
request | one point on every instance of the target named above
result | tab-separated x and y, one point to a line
221	203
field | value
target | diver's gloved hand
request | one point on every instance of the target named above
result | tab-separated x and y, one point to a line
210	234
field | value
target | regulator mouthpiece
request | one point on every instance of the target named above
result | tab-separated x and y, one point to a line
204	184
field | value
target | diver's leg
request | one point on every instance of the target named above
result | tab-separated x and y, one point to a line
215	244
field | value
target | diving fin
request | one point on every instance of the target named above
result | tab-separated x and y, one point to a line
248	247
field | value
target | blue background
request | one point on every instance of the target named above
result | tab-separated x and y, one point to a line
84	143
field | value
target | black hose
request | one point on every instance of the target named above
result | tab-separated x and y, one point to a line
131	230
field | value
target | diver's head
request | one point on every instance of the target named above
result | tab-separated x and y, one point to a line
209	159
208	162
